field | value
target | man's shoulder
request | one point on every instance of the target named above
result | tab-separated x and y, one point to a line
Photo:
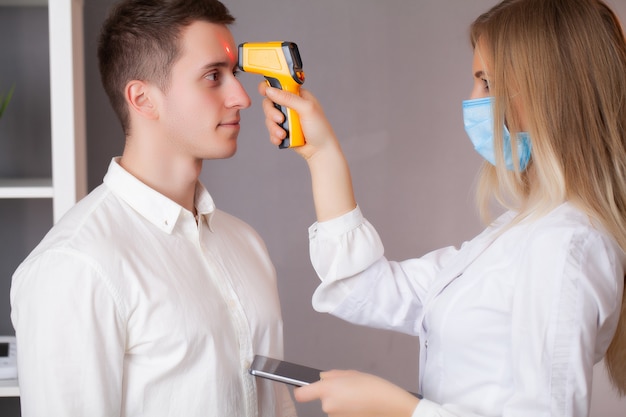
91	217
222	220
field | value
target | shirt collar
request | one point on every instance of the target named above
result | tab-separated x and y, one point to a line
154	206
204	203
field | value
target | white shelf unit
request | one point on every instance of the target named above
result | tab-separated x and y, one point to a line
67	84
9	388
26	188
23	3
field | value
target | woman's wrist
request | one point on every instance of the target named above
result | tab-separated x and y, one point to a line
332	183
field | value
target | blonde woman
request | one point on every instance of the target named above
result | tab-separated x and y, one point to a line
513	321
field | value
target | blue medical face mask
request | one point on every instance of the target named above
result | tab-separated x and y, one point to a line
478	120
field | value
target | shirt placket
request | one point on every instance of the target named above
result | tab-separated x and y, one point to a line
222	281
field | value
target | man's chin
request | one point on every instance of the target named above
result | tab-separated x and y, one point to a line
224	153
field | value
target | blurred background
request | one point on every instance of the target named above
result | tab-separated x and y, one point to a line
391	76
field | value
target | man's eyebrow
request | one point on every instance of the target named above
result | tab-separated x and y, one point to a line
219	64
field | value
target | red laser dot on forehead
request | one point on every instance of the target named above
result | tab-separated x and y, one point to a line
228	51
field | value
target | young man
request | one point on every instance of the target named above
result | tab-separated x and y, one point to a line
145	299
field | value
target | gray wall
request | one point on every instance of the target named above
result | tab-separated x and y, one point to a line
391	75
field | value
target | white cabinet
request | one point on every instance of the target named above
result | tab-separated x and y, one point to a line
68	182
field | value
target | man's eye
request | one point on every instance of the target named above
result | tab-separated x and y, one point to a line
212	76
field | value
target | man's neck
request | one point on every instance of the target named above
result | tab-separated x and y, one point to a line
175	178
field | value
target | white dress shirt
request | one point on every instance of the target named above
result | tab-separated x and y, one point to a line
129	307
510	324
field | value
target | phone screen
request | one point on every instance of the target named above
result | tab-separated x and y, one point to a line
288	372
282	371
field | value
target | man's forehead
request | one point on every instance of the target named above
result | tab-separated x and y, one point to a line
208	41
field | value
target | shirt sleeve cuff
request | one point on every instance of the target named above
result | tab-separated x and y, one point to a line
338	225
427	408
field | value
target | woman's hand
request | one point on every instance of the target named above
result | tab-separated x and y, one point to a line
356	394
317	130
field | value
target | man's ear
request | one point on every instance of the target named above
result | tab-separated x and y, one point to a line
140	99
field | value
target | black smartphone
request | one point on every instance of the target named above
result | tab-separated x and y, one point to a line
283	371
287	372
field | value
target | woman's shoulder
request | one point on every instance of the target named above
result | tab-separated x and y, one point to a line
567	217
569	228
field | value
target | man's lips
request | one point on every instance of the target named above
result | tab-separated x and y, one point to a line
231	123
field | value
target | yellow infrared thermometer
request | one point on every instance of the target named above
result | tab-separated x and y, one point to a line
281	65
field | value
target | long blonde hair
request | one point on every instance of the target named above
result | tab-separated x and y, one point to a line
566	61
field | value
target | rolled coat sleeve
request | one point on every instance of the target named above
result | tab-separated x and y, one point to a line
360	285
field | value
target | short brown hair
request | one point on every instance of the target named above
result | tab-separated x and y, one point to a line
139	41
